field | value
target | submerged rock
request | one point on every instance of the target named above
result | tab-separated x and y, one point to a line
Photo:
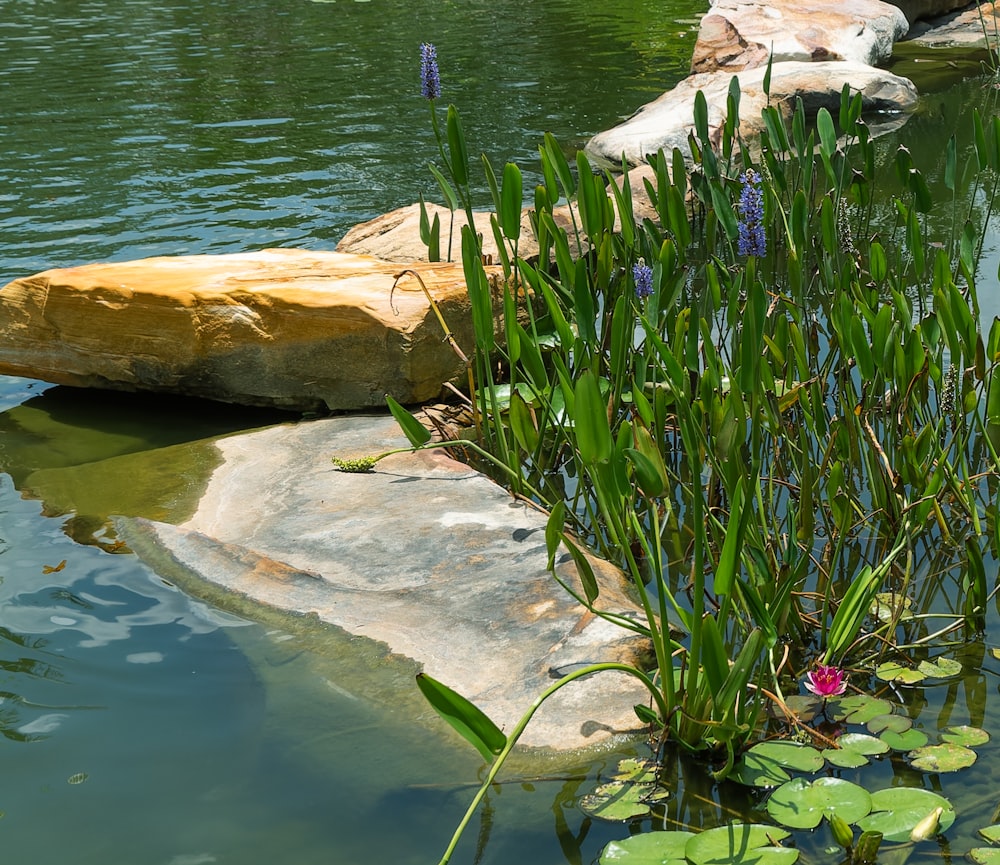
283	328
737	34
424	554
667	121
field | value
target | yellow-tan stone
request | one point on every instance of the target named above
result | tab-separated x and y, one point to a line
296	329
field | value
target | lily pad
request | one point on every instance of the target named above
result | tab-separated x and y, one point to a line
650	848
622	800
891	671
892	723
985	855
768	763
636	770
941	668
889	605
858	708
741	844
991	833
908	740
942	758
970	737
803	706
896	811
802	804
854	750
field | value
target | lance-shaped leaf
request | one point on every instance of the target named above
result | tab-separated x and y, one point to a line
470	722
415	431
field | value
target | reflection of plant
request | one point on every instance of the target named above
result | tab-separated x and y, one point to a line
748	404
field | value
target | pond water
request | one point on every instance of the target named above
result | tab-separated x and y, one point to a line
140	724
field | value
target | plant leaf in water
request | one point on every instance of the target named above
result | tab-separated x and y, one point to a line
891	671
908	740
802	804
897	811
622	800
970	737
942	758
766	764
891	723
941	668
740	844
890	605
637	771
650	848
803	706
858	708
854	750
985	855
991	833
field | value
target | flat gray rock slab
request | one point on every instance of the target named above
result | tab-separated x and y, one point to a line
425	555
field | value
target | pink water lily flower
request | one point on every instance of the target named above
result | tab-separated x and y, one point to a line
826	681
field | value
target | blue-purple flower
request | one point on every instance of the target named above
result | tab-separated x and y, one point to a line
430	79
751	221
642	276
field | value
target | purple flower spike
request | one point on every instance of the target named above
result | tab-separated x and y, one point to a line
642	275
751	239
826	681
430	79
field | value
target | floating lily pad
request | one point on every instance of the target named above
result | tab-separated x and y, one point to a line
891	671
741	844
650	848
985	855
991	833
854	750
858	708
802	804
892	723
803	706
896	811
622	800
635	770
941	668
942	758
970	737
768	763
889	605
909	740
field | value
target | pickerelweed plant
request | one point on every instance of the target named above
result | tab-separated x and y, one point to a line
772	405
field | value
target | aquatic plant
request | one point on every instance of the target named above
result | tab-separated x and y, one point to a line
775	427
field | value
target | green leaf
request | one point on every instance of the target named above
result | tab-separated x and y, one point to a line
470	722
622	800
802	804
982	855
649	848
593	434
767	764
891	671
896	811
991	833
456	148
740	844
965	735
415	431
907	740
940	668
827	133
854	750
857	708
511	200
892	723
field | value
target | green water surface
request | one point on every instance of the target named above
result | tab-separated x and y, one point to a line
140	725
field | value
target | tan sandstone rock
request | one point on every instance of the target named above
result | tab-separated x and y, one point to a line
915	10
738	34
666	122
287	328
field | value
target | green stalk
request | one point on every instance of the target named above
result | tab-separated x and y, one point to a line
512	739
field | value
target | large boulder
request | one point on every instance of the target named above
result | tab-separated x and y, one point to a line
423	555
737	34
286	328
667	121
916	10
973	26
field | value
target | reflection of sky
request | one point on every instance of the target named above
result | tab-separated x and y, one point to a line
101	597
